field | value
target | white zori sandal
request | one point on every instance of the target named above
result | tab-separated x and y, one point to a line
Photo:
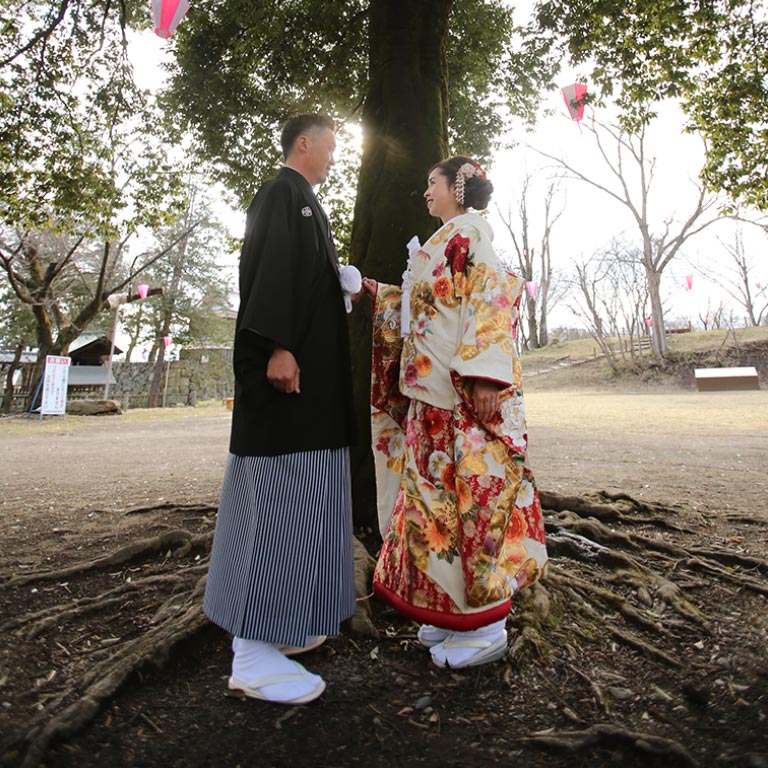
260	671
257	689
429	635
294	650
470	649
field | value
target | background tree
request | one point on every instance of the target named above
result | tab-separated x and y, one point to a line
386	64
195	290
612	299
80	168
535	262
17	330
66	283
713	317
711	56
631	172
740	282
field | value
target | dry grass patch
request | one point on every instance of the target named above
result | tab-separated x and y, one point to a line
694	341
649	413
26	425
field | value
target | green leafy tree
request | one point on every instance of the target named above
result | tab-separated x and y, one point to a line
80	168
17	323
422	77
243	67
17	330
195	300
712	55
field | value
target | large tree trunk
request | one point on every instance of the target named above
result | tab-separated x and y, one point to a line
157	377
167	315
543	321
44	336
405	133
533	330
659	339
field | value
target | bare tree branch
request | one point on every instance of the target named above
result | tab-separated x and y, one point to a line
42	34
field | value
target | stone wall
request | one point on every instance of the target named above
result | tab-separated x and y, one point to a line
189	382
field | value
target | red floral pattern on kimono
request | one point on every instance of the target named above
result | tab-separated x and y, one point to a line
458	506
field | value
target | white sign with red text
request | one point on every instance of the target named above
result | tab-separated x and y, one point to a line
55	385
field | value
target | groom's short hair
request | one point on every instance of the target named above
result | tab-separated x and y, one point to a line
301	125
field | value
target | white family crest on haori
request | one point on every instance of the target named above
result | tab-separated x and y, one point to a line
306	211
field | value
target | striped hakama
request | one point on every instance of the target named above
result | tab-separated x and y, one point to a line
282	564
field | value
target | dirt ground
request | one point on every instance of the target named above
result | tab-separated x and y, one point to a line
69	490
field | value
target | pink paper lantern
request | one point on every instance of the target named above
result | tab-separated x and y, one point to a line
166	15
688	282
533	288
142	289
574	99
167	341
648	322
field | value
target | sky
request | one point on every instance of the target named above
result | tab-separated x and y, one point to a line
590	218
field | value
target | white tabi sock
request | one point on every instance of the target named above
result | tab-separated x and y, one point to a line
457	657
254	660
429	635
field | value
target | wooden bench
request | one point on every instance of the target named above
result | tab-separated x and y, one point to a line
720	379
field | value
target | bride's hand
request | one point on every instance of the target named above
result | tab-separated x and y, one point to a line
370	286
485	395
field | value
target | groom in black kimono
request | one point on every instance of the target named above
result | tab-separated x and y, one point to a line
292	308
281	573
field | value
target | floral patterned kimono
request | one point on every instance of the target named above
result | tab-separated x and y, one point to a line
458	506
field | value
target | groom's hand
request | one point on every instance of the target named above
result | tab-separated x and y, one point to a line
283	371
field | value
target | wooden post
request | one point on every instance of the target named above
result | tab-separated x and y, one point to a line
165	387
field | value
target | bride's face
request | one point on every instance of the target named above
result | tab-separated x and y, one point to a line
440	198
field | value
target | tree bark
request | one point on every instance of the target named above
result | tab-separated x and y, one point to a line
15	364
659	339
533	329
166	318
134	334
405	129
157	377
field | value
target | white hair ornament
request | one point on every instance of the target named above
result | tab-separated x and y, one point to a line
466	171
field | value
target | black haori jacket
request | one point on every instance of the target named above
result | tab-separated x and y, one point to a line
290	295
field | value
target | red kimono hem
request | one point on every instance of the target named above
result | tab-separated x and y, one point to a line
458	622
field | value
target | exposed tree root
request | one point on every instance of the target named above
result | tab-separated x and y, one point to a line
699	564
640	645
562	542
610	735
203	509
105	678
596	689
731	559
610	507
608	584
591	593
180	539
32	624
